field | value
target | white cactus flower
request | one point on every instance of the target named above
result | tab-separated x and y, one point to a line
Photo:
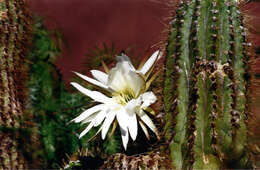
127	102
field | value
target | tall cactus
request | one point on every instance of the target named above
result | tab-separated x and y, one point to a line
206	86
14	33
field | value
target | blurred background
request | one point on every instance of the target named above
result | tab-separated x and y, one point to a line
134	24
69	36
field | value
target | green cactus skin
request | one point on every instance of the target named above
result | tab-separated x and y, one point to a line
205	89
14	31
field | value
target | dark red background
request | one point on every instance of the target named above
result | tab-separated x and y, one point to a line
86	23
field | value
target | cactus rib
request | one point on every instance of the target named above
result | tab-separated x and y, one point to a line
11	81
208	125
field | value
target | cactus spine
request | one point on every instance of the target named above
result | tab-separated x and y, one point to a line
14	30
151	161
206	82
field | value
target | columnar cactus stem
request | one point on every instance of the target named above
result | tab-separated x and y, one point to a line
183	67
206	81
224	92
13	40
240	66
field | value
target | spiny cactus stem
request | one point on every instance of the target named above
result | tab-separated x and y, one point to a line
169	86
10	64
151	161
182	92
209	102
239	115
205	47
202	143
12	50
203	34
223	99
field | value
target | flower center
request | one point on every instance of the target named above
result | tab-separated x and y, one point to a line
124	97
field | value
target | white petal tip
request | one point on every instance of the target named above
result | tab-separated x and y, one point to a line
150	62
134	138
76	72
74	84
133	135
100	76
103	136
125	144
70	122
156	53
93	72
125	137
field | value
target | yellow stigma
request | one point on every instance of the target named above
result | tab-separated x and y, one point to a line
124	97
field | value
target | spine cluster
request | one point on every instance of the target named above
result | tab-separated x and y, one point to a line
205	90
122	161
14	33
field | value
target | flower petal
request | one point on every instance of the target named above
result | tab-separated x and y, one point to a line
131	120
122	119
146	119
135	82
149	82
88	112
125	137
132	105
148	98
125	58
95	95
132	126
100	76
150	62
87	129
93	81
109	119
90	118
122	78
116	77
144	129
100	117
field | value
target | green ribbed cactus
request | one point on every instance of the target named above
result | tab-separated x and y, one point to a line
14	33
206	86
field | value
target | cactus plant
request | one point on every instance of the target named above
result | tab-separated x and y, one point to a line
206	86
148	161
14	36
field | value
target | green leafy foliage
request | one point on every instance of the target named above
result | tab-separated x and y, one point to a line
53	106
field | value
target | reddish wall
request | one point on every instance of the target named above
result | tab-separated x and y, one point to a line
86	23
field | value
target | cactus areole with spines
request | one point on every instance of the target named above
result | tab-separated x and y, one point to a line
205	88
14	36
